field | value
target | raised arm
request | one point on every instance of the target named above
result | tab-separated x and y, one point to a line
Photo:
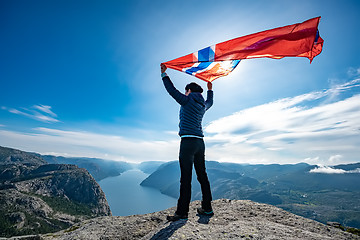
181	98
210	96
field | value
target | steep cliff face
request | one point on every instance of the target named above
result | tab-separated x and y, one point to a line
233	219
68	182
37	198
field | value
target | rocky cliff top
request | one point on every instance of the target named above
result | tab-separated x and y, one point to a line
233	219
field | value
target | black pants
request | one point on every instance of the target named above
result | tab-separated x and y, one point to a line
192	151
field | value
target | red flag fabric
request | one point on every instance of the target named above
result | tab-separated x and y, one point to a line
297	40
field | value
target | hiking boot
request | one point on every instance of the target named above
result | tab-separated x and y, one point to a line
177	217
202	211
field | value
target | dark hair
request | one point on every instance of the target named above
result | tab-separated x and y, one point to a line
194	87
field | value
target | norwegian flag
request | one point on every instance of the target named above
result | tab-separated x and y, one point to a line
297	40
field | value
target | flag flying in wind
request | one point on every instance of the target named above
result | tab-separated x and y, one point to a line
297	40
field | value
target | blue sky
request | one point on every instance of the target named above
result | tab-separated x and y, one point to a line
82	78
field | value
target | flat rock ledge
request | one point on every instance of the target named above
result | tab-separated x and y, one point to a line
233	219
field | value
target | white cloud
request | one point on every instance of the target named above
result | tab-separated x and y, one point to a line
41	113
301	128
354	171
88	144
330	170
335	159
45	109
353	72
327	170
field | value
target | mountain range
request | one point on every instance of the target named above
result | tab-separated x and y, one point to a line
294	187
45	181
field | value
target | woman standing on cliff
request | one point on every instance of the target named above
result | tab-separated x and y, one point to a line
192	147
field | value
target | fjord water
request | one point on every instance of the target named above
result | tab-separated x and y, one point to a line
126	197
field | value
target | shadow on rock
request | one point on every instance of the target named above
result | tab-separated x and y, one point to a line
203	219
168	231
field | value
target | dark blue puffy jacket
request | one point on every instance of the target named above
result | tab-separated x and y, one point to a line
192	108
